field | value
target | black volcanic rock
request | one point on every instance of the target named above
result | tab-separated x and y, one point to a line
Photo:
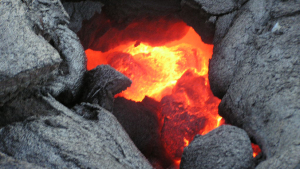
101	84
226	147
142	122
79	11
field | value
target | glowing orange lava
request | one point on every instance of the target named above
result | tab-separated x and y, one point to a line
256	149
176	75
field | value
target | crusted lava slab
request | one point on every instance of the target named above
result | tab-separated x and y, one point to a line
225	147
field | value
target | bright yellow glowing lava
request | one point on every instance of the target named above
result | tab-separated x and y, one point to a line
161	67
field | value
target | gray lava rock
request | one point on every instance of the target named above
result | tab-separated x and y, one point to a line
27	59
255	69
7	162
79	11
51	21
35	40
23	107
101	84
226	147
217	7
70	141
222	26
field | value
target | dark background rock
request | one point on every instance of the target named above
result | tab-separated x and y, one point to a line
196	17
79	11
225	147
128	10
70	141
142	122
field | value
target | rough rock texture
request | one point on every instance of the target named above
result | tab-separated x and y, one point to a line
51	20
255	69
26	105
26	59
143	124
101	84
7	162
79	11
218	7
222	26
70	141
225	147
35	40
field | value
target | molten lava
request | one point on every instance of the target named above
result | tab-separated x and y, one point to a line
176	75
256	149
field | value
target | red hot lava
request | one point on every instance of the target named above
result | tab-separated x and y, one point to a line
174	74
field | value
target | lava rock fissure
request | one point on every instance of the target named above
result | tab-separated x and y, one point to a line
255	70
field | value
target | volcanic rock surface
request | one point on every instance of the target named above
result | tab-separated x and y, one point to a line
101	84
68	140
255	69
143	124
26	58
7	162
79	11
36	44
225	147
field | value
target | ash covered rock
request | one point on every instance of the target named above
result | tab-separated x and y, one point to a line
70	141
7	162
225	147
255	70
51	21
101	84
24	106
27	59
36	45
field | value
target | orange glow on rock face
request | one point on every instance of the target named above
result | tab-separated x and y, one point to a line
176	75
